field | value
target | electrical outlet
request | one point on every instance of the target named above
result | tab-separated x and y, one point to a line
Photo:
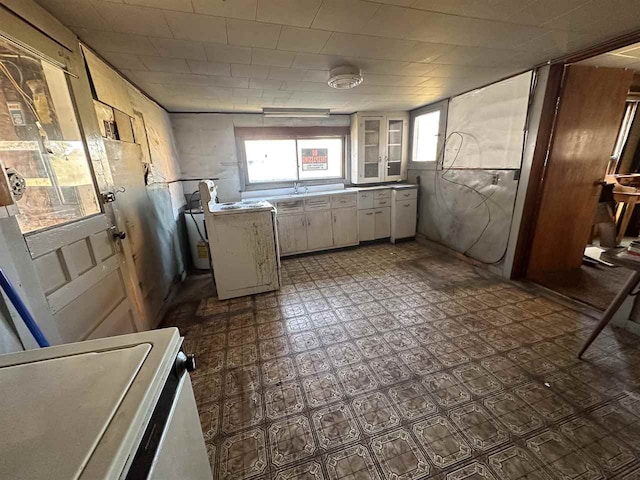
496	177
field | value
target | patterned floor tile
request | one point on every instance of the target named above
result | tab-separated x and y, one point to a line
283	400
562	456
375	413
335	426
291	440
411	400
399	456
515	463
400	362
353	463
243	455
441	441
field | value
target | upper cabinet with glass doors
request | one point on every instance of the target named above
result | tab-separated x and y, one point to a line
379	147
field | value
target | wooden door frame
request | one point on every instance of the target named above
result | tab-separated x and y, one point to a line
544	142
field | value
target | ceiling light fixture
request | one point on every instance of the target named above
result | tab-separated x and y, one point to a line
343	78
296	112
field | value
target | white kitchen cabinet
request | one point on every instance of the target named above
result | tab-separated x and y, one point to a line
379	147
404	207
374	223
345	226
292	233
366	225
382	222
319	230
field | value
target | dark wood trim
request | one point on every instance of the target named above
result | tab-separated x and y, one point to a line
536	176
290	132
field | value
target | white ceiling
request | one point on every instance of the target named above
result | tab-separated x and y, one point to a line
627	57
242	55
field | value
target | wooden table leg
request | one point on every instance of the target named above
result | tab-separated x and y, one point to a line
613	307
626	218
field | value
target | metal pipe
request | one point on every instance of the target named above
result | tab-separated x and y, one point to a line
22	310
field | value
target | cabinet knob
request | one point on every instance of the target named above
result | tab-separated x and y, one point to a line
407	204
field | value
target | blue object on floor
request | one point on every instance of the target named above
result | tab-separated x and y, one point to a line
23	311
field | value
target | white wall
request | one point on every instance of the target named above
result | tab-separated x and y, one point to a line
207	146
482	225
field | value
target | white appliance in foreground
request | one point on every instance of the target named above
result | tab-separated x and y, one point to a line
244	247
113	408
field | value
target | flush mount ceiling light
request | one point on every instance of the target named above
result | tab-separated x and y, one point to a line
343	78
296	112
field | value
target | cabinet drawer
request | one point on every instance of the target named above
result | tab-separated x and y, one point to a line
380	194
365	200
290	206
341	201
381	202
406	194
317	203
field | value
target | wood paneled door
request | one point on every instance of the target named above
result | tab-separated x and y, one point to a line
586	125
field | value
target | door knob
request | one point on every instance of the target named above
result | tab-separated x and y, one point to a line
119	235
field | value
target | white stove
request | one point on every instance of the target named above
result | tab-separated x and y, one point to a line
243	243
113	408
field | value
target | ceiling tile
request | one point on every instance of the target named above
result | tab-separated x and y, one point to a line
459	71
344	15
76	13
368	65
209	68
132	19
299	13
252	34
347	44
116	42
321	76
228	54
317	62
262	56
173	78
242	9
124	61
179	5
165	64
417	69
231	82
169	47
302	39
265	84
609	17
201	28
486	57
280	73
249	71
390	80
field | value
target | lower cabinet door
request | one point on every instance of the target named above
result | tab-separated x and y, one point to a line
366	225
405	223
382	222
345	226
292	233
319	230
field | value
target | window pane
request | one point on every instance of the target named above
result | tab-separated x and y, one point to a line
320	158
271	160
425	137
40	140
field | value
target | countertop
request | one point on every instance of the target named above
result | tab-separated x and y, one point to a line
343	191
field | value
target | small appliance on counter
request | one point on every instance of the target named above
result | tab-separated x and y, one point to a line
243	243
113	408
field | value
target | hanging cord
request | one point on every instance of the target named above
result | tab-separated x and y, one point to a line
194	218
25	96
23	311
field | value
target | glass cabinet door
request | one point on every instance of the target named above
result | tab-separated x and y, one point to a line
395	131
371	150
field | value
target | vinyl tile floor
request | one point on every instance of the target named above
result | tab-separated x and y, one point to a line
399	362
